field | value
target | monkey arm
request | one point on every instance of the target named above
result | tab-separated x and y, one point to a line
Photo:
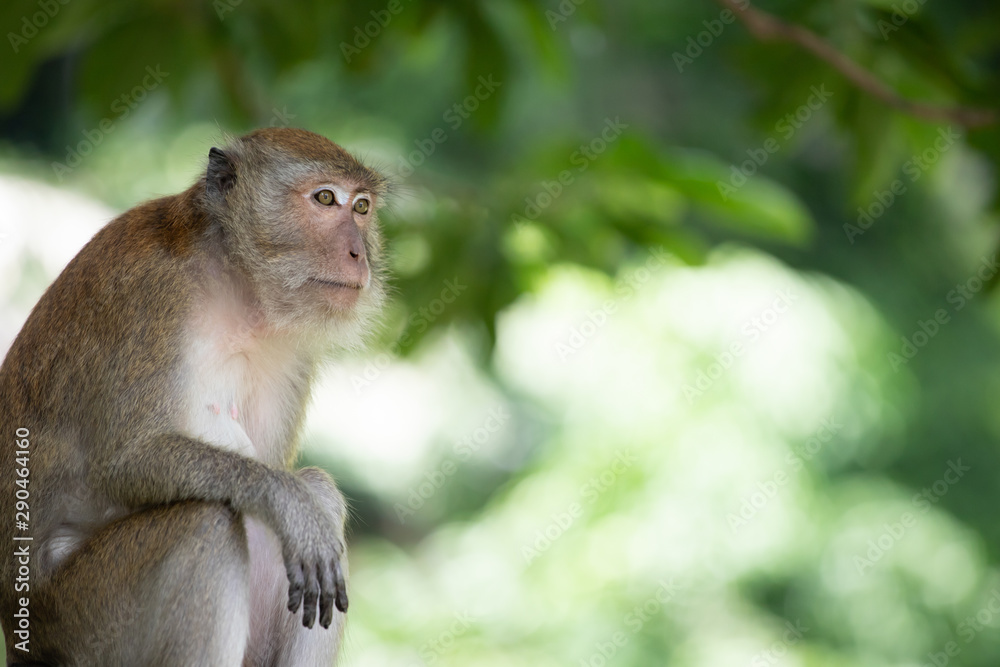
168	467
164	468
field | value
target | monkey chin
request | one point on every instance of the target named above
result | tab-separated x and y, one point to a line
336	316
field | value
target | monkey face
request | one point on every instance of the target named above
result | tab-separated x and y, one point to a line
321	251
336	218
299	218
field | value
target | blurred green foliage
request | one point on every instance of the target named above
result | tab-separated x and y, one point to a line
545	153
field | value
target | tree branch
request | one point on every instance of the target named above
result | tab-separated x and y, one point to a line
767	27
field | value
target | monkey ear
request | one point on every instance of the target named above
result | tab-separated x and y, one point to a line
221	174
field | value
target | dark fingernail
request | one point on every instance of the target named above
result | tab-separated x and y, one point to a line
327	618
342	600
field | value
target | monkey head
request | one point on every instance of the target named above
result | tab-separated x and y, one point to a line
297	216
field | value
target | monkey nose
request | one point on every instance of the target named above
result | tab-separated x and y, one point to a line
356	249
346	240
357	265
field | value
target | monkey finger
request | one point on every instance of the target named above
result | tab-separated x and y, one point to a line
310	598
296	585
326	593
338	574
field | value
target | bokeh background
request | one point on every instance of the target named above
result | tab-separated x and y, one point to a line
692	357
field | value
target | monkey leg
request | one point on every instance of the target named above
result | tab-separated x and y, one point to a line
163	587
277	636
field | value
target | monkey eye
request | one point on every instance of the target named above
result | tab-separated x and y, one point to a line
361	206
325	197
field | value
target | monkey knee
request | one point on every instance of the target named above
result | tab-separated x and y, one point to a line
211	518
216	529
205	537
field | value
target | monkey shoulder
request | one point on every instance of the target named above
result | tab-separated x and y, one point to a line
110	324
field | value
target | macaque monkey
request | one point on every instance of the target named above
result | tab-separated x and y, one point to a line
155	397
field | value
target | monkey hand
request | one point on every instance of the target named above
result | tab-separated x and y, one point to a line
309	522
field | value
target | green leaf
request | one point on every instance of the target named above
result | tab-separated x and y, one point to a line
759	206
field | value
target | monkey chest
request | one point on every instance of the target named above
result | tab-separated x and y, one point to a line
242	402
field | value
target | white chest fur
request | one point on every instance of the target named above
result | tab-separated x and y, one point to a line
243	389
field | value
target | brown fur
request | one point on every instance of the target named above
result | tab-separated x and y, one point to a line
99	373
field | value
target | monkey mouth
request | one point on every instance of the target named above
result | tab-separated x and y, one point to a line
336	283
